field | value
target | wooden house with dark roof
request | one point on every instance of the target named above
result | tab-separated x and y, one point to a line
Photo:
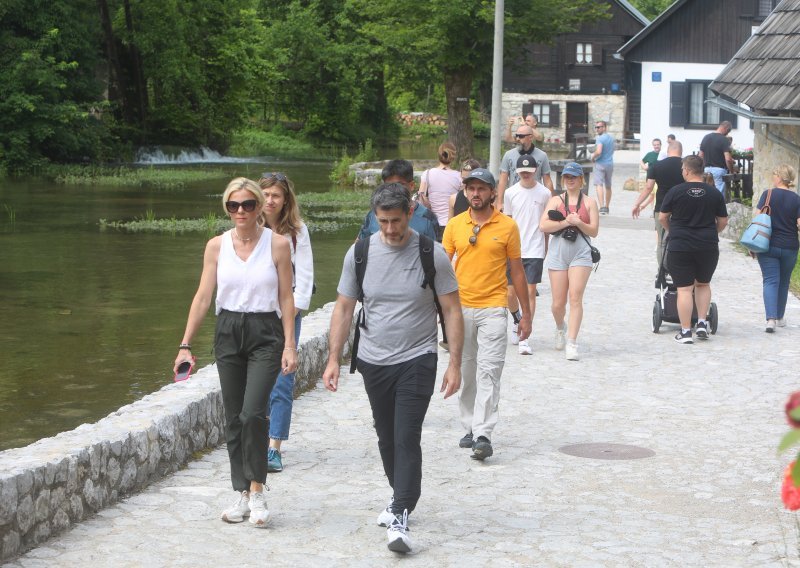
764	75
576	80
680	53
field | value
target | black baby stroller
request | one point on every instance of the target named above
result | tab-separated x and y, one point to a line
665	308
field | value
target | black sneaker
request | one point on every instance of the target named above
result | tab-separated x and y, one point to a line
482	448
466	441
701	330
684	337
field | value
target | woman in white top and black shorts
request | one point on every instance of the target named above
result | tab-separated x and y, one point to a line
254	339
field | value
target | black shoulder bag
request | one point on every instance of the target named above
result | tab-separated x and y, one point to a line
595	251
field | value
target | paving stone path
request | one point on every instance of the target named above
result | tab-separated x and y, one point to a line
709	496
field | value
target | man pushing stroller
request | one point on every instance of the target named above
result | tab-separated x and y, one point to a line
693	213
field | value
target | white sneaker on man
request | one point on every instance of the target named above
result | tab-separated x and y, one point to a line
386	516
259	515
524	348
514	336
781	322
397	533
237	512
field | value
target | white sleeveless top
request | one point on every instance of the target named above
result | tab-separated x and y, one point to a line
247	286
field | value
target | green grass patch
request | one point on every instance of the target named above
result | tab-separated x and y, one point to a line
127	176
340	174
794	282
255	142
323	213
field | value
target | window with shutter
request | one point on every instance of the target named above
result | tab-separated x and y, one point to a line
677	103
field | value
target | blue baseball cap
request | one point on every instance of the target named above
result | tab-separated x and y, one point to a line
572	169
483	175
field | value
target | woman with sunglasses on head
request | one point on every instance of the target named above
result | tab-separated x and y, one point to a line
282	215
251	269
439	184
572	219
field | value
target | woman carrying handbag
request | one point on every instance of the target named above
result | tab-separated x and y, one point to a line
778	262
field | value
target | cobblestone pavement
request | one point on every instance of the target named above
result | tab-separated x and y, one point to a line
709	496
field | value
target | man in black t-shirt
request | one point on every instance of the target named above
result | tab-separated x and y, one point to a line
664	174
715	149
693	214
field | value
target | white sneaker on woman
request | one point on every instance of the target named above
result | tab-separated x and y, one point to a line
238	511
781	322
259	515
561	336
572	352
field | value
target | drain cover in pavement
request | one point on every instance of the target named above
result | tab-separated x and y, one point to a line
607	451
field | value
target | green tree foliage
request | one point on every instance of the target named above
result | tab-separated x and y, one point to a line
321	70
455	41
650	9
48	88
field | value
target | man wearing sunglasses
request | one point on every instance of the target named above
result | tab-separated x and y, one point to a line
423	219
508	167
485	241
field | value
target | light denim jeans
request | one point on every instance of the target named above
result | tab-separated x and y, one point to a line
484	355
776	271
717	173
282	397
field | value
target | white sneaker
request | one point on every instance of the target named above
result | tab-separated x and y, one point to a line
572	352
524	348
386	517
397	533
238	511
259	515
782	322
561	336
514	336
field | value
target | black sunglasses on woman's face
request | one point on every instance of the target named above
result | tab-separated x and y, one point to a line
249	205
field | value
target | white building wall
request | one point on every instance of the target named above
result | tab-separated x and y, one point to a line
655	106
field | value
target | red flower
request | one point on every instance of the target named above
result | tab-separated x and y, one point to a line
791	404
790	495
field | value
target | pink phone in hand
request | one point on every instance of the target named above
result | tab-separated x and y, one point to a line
184	371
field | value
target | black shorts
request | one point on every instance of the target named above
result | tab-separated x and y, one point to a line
686	267
533	270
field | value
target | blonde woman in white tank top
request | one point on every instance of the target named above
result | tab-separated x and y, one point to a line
254	339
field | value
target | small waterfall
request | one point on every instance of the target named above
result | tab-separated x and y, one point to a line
156	156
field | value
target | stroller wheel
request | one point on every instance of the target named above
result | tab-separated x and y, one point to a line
657	316
713	317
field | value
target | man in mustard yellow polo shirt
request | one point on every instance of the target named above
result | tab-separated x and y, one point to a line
483	241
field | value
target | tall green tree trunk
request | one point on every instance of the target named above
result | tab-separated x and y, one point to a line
116	78
140	90
457	87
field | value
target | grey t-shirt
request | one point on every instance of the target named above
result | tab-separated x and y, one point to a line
400	313
509	165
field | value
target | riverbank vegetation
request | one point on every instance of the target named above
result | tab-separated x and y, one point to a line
323	213
92	80
130	176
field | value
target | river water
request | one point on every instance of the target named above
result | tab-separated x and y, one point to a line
90	319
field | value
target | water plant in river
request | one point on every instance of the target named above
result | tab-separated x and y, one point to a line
162	178
323	213
341	174
10	213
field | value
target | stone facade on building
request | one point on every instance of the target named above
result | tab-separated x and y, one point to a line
608	107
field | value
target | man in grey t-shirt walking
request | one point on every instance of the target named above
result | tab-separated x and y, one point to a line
397	353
